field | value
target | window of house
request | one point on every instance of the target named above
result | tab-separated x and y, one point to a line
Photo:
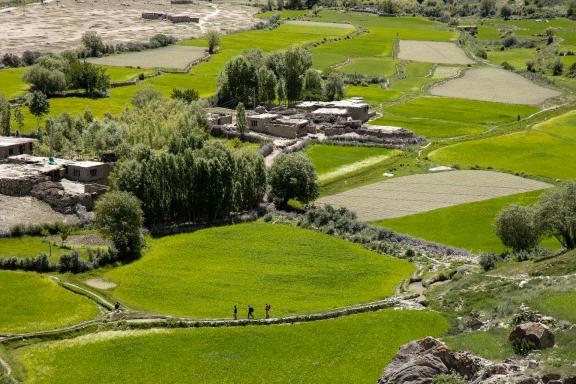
10	151
76	172
93	172
254	123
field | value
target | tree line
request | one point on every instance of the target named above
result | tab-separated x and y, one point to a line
252	78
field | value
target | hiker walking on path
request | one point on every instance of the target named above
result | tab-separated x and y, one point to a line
267	309
117	307
250	312
235	313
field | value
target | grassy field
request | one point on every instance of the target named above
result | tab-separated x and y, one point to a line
517	57
295	270
28	246
439	117
488	344
11	83
377	44
558	305
122	74
352	349
545	150
373	94
370	66
468	226
32	302
329	158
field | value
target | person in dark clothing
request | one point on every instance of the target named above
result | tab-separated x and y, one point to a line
250	312
235	313
117	307
267	309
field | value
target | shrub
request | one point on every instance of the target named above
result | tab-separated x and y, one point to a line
522	346
187	94
507	66
509	41
557	68
556	214
93	44
47	81
505	12
488	261
213	39
530	66
71	262
11	60
161	40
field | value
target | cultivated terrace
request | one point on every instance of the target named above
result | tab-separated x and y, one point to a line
288	191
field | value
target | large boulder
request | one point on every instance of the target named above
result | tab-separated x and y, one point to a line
536	335
420	361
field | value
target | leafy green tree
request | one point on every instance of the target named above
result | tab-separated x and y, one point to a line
556	214
297	61
249	180
119	216
266	85
505	12
46	80
293	177
38	105
276	63
516	227
213	38
571	11
19	118
237	83
87	76
240	118
334	87
93	44
5	115
487	7
312	85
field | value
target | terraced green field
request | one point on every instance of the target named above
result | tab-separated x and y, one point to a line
11	84
351	349
517	57
437	117
468	226
546	150
28	246
329	158
206	273
373	94
31	302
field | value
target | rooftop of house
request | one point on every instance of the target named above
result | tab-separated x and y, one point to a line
8	141
356	102
86	164
331	111
383	128
264	116
288	120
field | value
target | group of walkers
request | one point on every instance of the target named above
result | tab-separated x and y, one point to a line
267	308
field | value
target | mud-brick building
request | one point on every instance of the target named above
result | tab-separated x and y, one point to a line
13	146
94	172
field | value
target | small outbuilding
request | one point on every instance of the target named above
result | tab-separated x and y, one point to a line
14	146
88	172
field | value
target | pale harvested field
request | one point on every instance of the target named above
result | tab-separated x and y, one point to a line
442	72
408	195
319	24
175	56
59	25
494	84
433	52
28	210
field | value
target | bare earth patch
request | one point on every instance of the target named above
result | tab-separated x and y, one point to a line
319	24
175	56
442	72
59	25
28	210
88	240
408	195
433	52
100	284
497	85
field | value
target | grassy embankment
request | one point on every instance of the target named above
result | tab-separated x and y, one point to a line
345	350
32	302
295	270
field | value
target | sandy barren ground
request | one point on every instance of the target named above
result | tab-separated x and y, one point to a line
28	210
442	72
494	84
59	25
433	52
175	56
408	195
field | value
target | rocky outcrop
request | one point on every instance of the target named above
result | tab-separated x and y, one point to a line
420	361
535	335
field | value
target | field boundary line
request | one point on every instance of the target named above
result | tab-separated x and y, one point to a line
93	326
83	292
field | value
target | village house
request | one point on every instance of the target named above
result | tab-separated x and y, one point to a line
94	172
278	125
12	146
355	108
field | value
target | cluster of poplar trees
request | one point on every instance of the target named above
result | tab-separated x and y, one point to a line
195	180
